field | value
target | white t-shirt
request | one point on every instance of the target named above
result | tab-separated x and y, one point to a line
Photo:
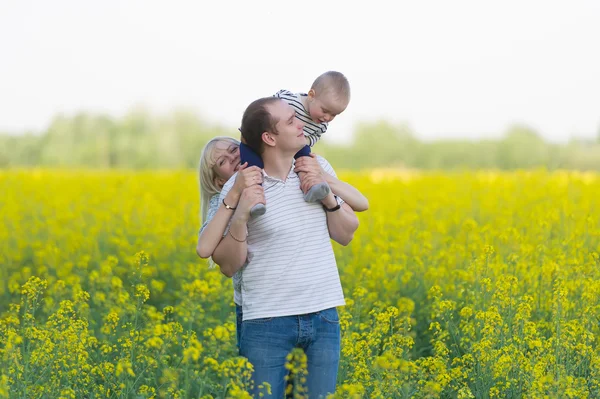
291	268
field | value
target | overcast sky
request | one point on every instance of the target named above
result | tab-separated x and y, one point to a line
446	68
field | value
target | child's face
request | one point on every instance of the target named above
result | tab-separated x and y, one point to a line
325	107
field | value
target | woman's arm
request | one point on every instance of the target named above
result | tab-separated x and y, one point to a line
232	251
213	231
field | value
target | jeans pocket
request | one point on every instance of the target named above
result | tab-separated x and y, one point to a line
330	316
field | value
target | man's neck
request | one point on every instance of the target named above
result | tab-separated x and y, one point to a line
277	164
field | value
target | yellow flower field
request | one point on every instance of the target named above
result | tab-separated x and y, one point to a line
459	285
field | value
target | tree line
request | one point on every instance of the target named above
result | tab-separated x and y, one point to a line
141	140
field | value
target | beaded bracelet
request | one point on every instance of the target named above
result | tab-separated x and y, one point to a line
231	234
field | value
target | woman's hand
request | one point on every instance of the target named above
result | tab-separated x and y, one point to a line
246	177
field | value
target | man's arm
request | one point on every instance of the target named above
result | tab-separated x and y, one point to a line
357	201
317	164
342	223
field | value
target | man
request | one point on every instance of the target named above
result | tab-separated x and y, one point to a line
290	284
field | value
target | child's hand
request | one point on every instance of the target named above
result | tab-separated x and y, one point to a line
247	177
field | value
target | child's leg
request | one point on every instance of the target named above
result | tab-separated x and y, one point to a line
247	154
319	191
304	152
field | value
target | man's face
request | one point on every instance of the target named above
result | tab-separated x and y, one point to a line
290	136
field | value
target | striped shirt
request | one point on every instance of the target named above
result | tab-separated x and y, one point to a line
312	130
290	268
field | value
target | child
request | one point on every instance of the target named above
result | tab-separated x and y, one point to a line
328	97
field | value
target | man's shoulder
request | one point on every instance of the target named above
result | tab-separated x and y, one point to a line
322	160
325	165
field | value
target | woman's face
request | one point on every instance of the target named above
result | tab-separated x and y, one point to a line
226	160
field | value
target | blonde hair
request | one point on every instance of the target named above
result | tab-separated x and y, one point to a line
207	175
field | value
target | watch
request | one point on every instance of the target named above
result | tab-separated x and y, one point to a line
338	206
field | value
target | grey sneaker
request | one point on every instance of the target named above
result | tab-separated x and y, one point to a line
317	192
258	210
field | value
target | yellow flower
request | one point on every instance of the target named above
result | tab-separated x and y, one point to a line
154	343
33	288
142	292
124	366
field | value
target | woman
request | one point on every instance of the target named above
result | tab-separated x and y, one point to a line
219	161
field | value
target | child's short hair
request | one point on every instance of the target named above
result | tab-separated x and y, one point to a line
332	82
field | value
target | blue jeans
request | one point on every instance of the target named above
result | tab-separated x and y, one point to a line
247	154
266	343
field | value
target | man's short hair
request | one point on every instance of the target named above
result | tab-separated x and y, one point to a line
334	83
256	120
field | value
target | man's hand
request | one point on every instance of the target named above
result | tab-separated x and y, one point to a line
310	172
307	180
308	164
329	201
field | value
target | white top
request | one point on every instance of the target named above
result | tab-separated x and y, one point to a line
291	267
